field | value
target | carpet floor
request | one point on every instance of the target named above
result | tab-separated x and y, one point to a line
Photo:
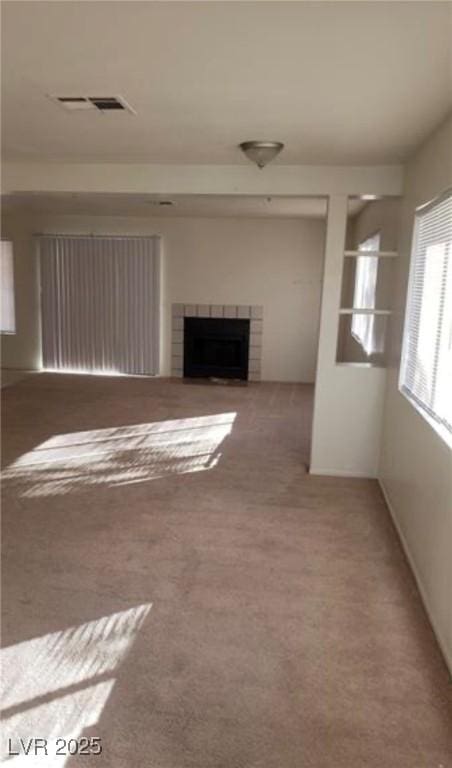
176	585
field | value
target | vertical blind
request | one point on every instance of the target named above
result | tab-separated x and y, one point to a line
100	303
7	310
426	369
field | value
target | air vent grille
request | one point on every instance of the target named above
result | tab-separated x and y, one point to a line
104	103
99	103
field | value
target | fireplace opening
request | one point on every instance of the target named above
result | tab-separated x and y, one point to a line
216	347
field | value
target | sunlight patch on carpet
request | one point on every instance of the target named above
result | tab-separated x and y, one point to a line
120	455
56	686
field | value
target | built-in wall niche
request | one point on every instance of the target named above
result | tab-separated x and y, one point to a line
368	269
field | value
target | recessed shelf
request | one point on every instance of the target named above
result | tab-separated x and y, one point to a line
361	338
357	311
377	254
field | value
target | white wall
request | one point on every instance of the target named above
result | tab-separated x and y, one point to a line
274	262
348	403
416	465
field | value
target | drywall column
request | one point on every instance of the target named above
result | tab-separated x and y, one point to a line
348	403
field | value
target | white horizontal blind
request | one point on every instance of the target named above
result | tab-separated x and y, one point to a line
426	369
7	309
366	271
100	303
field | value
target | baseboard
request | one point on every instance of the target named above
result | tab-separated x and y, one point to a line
440	640
340	473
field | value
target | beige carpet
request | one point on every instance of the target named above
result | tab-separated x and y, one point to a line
177	585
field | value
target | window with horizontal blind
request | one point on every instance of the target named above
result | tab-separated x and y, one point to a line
7	309
426	367
363	326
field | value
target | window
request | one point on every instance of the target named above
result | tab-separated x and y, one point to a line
426	369
7	312
363	326
100	303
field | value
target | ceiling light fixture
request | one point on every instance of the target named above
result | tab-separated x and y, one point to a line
261	152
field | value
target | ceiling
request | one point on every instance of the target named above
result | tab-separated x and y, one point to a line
338	82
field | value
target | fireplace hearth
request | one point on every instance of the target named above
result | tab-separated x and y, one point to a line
216	347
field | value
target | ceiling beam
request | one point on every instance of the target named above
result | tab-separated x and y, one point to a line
202	179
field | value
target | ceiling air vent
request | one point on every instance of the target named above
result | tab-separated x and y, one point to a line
99	103
73	102
161	203
105	103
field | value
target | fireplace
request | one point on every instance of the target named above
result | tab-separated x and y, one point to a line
217	347
230	348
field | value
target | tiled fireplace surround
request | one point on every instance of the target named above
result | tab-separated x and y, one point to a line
242	311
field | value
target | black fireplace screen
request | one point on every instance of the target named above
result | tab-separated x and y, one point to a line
216	347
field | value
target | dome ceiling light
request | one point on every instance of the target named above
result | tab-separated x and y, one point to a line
261	152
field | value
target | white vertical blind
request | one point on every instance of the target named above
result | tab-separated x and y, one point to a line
426	369
7	309
100	303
